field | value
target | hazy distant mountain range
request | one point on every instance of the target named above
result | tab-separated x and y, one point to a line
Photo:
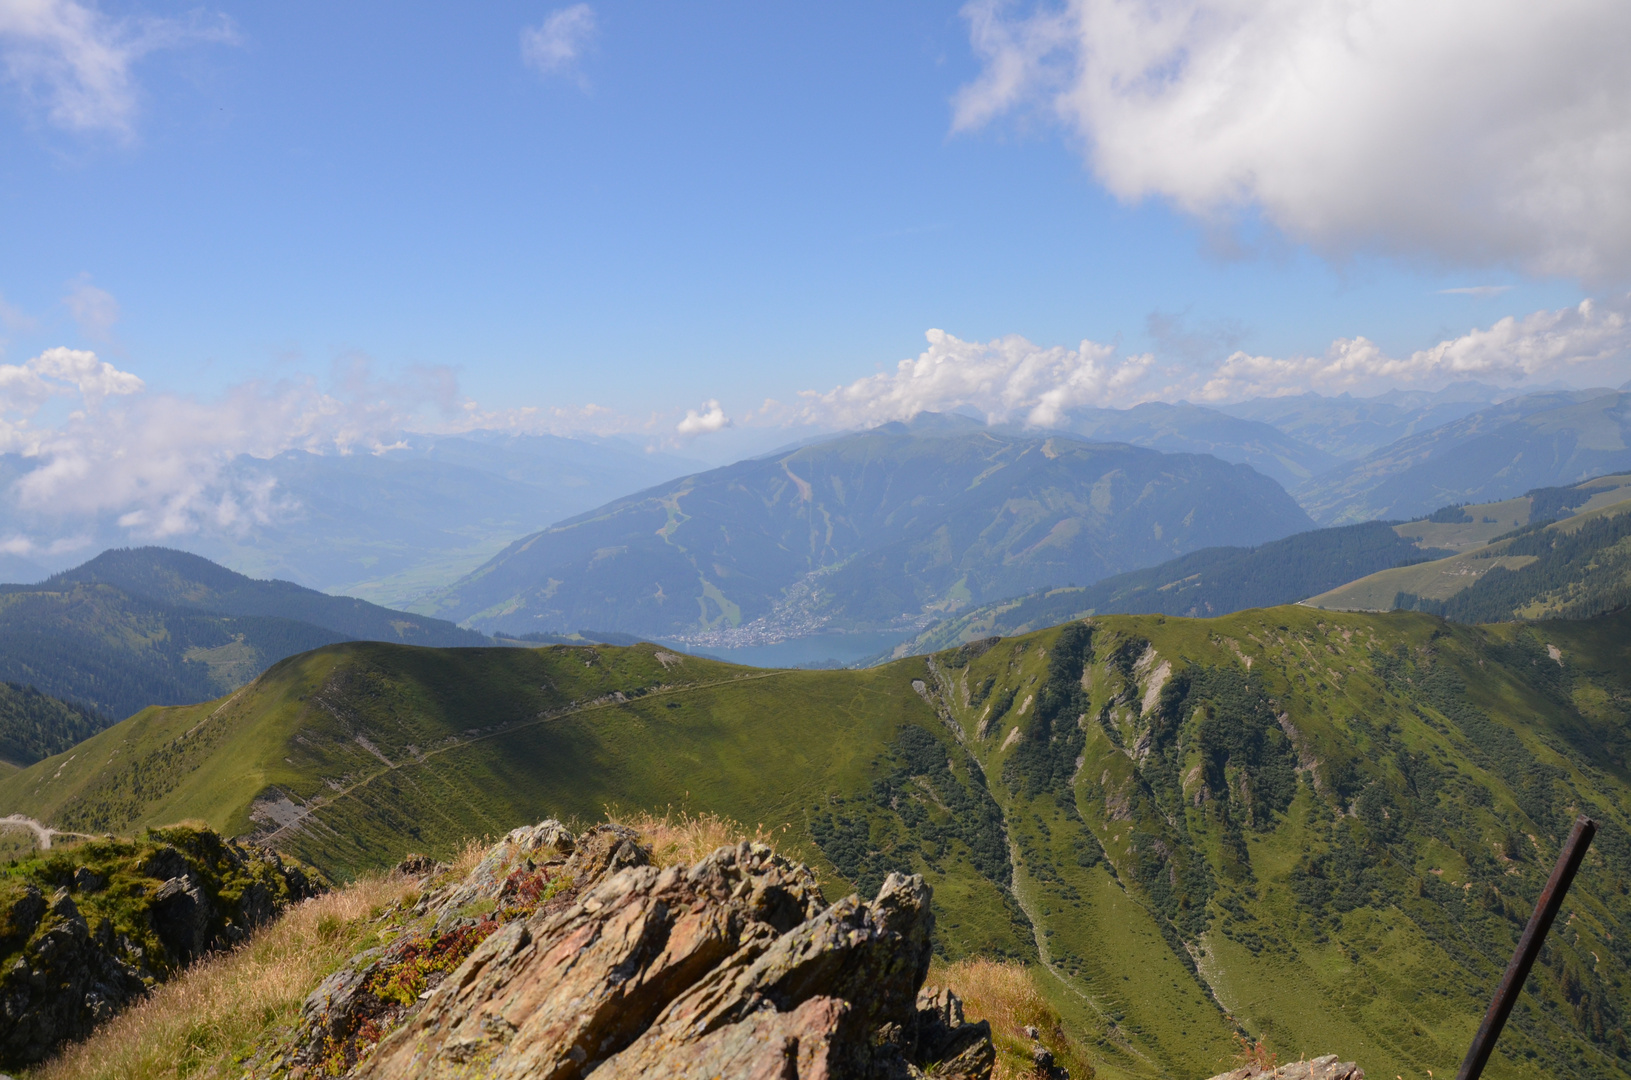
398	526
1350	428
1540	440
870	530
384	526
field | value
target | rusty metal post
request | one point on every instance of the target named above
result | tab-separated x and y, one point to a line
1546	908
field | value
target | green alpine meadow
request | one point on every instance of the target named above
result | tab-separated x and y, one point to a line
1307	828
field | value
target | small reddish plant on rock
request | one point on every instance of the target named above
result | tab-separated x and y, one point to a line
1255	1053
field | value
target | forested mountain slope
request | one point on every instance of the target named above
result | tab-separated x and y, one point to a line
35	725
153	626
873	530
1551	553
116	653
1212	581
181	580
1572	569
1325	828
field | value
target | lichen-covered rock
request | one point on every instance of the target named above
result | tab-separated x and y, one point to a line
121	915
536	868
1320	1068
733	967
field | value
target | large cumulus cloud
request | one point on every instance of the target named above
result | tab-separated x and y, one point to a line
1468	131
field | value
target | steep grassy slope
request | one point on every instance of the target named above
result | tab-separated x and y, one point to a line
1541	439
867	531
1325	828
1584	558
1571	570
181	580
116	653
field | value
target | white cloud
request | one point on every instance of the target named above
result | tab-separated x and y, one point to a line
156	460
1007	379
94	309
554	47
1545	343
73	62
1469	131
1012	379
25	387
711	418
1480	291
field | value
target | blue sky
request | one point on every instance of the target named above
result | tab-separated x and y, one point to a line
691	201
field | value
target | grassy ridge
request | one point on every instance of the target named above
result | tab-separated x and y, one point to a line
1323	829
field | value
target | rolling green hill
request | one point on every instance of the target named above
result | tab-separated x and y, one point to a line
1324	828
877	530
1584	566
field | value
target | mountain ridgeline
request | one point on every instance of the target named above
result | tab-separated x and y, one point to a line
1568	570
152	626
1212	581
1500	451
1555	552
1324	828
180	580
875	530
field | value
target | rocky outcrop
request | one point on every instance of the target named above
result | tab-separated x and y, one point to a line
586	960
1320	1068
86	930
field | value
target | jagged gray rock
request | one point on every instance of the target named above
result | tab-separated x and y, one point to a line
733	967
1320	1068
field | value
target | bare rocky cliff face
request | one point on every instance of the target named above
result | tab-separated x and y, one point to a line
582	959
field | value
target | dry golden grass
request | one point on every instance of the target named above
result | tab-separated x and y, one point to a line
681	837
199	1023
468	856
1005	993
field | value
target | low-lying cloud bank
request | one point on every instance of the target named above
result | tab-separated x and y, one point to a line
1467	131
159	460
1013	380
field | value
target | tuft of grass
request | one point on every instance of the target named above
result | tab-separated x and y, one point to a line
208	1020
1005	993
468	856
683	837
